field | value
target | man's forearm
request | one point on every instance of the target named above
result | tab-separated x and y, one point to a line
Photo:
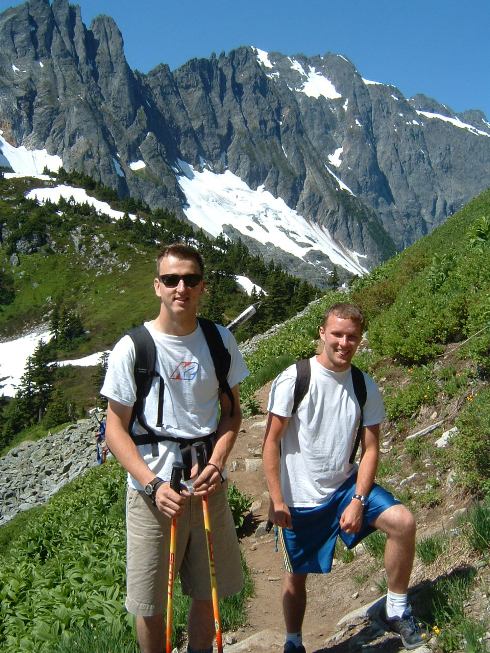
271	462
367	472
227	433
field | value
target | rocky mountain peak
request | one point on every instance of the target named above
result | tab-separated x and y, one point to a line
356	164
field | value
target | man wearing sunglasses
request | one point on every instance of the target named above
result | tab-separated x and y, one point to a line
184	405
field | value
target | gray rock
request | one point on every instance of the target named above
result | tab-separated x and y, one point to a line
445	438
57	459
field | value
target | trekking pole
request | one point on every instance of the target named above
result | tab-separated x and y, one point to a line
201	463
175	477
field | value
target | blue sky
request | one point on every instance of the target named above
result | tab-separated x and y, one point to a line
437	47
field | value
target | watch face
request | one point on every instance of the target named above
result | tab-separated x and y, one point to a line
149	489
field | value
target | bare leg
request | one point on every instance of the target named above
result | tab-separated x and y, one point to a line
399	525
151	634
201	624
294	601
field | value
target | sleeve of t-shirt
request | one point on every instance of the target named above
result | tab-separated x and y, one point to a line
281	396
119	384
374	411
238	370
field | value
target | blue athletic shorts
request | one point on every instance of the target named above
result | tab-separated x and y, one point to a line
309	546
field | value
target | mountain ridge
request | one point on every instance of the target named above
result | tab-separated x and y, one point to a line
354	158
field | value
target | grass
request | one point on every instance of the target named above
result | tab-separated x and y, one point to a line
429	549
342	553
448	598
478	531
388	466
415	447
97	637
375	544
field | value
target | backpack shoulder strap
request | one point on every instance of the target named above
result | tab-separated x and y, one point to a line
144	367
360	391
301	385
144	360
220	355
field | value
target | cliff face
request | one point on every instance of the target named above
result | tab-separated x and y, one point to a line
356	158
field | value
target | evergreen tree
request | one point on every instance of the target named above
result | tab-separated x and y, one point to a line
33	395
302	296
40	381
70	328
54	322
334	281
59	410
98	378
7	291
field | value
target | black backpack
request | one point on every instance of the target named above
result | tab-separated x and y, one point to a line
303	375
144	372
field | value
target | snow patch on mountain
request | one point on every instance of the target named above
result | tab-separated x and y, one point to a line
214	201
78	195
27	162
454	121
248	285
13	358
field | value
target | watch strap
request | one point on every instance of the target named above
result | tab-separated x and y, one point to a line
156	484
360	497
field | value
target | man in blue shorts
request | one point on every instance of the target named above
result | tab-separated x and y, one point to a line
317	494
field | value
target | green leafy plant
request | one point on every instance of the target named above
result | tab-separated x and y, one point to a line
471	444
415	447
404	402
240	504
63	570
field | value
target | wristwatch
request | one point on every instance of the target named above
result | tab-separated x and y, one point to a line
361	498
152	487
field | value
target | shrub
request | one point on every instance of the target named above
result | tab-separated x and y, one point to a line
471	445
415	447
404	402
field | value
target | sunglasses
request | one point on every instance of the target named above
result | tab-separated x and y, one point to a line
172	280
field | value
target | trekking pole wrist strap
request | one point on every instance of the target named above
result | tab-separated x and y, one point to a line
218	470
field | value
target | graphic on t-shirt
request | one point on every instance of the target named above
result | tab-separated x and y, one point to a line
185	371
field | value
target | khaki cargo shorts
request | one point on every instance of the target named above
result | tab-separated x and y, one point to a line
148	542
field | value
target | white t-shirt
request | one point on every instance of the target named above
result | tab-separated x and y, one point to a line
318	441
190	399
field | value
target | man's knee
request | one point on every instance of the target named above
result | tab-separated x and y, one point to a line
150	633
397	521
294	582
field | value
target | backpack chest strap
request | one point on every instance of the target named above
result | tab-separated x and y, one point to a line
185	445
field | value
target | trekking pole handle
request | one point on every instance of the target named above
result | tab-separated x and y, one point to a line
201	456
176	476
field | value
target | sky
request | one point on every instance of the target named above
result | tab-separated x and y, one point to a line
437	47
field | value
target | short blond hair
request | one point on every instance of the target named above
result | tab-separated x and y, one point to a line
347	312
